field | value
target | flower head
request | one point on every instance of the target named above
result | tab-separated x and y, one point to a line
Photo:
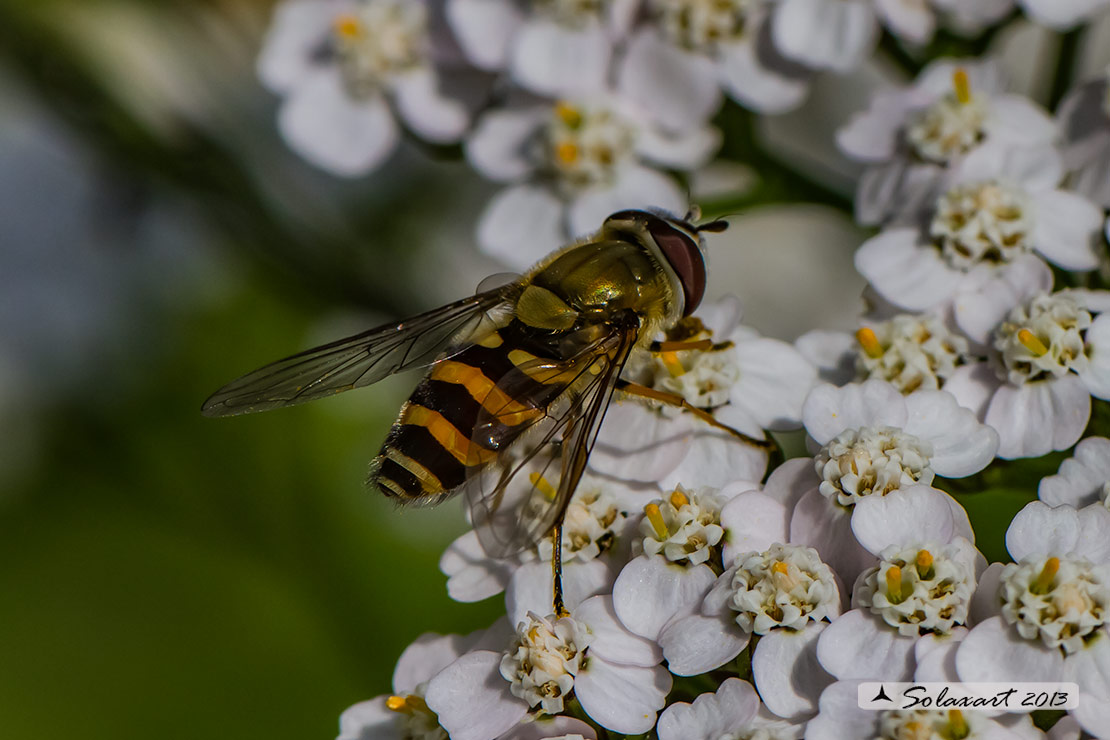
786	586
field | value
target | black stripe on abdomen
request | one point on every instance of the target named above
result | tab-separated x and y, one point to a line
417	443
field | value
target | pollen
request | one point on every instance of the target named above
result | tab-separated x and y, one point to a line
566	152
1043	583
348	26
870	343
1032	342
655	516
568	114
924	564
542	485
894	584
405	704
678	499
957	724
962	85
671	362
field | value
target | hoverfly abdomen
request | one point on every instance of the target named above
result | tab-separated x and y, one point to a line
459	417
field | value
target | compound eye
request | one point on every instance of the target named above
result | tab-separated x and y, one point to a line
685	257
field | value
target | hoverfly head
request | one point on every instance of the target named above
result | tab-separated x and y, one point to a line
677	241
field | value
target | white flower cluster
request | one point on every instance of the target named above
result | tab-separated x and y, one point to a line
688	558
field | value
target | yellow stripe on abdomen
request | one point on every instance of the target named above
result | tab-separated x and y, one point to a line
445	433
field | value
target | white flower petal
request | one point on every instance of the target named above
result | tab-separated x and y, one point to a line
1035	169
791	480
323	124
981	306
1036	418
546	727
652	591
426	656
871	136
521	225
623	699
496	147
472	575
634	186
992	651
1081	476
910	275
829	410
732	707
1038	530
610	639
297	30
860	645
368	719
639	444
1096	376
484	29
826	34
935	656
681	151
1061	14
549	59
985	603
697	644
1091	667
716	458
1093	713
1066	229
833	353
973	386
840	717
961	445
903	517
774	381
679	87
425	110
1017	120
755	86
471	698
908	19
529	589
827	528
753	521
787	672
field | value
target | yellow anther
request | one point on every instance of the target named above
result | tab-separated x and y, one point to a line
671	362
870	343
568	114
566	152
924	564
894	584
962	85
678	499
542	485
651	511
1032	342
1043	583
400	704
957	725
348	26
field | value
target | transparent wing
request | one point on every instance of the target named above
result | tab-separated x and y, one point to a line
357	361
516	501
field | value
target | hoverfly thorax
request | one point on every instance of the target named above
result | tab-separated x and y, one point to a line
676	244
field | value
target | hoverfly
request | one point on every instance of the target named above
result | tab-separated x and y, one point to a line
518	375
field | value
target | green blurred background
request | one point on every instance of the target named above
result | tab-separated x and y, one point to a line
161	574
